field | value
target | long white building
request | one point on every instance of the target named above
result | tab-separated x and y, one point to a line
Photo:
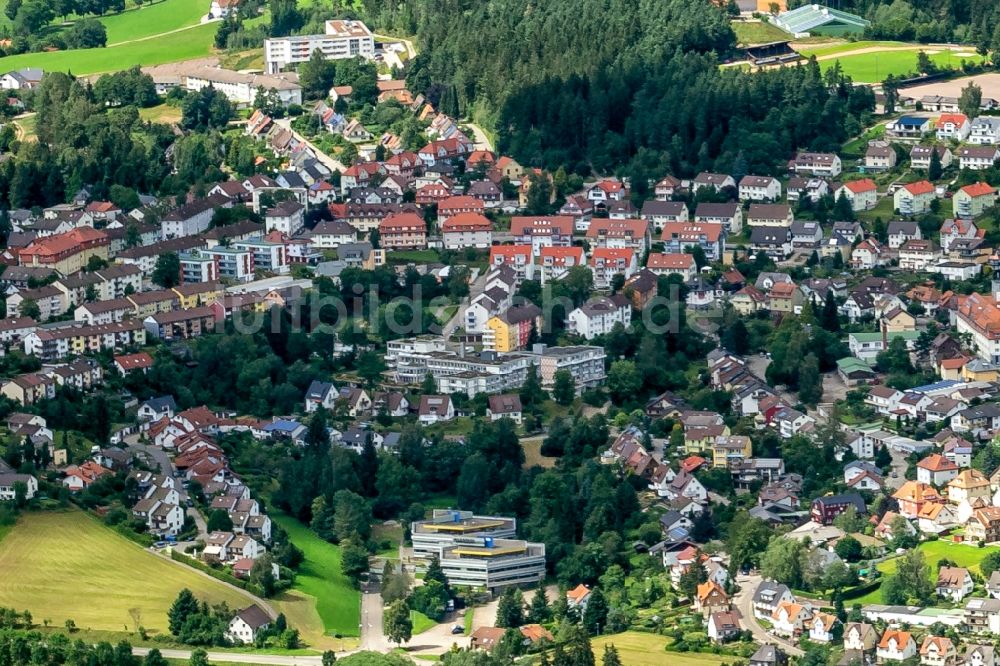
343	39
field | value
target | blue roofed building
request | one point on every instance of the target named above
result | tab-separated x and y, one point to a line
287	429
909	128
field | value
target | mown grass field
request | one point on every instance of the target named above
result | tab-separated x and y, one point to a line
639	649
335	601
843	47
67	565
874	67
153	19
195	42
757	32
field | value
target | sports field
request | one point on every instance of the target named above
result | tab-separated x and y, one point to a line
874	67
67	565
871	62
640	649
334	599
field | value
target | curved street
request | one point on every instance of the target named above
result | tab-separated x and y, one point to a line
744	602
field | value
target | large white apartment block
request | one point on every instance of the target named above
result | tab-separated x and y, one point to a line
343	39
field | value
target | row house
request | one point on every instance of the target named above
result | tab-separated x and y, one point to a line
181	324
728	215
599	315
770	215
28	389
78	339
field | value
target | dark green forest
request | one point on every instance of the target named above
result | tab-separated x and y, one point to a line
608	85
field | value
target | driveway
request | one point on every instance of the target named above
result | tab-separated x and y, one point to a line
372	635
744	602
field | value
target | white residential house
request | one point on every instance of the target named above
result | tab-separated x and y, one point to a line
895	646
863	194
247	625
952	127
954	583
599	315
913	199
759	188
985	131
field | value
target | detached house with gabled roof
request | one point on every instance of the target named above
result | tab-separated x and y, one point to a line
759	188
863	194
936	470
435	408
952	127
715	181
790	619
938	651
953	583
895	646
817	164
913	199
973	200
977	158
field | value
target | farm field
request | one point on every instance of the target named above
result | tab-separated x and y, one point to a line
757	32
336	604
639	649
57	564
191	43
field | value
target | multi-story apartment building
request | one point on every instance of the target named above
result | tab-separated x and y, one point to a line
585	363
403	231
343	39
54	343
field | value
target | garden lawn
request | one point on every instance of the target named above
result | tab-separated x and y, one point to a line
639	649
421	622
757	32
66	565
337	602
185	45
963	555
161	113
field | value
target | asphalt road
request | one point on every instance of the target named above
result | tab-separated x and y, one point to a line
238	658
744	602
